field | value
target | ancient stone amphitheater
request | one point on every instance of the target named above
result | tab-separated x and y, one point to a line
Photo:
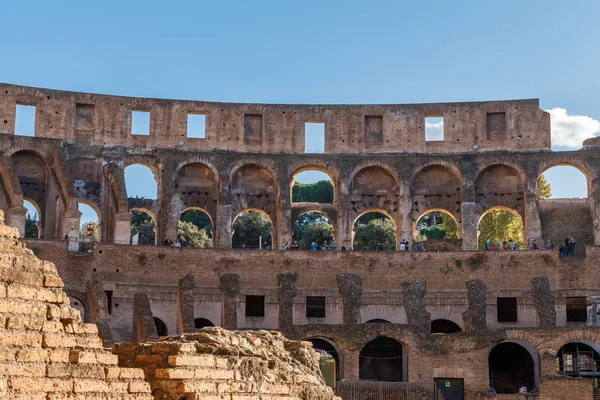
397	324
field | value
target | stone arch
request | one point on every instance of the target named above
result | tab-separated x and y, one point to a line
161	327
271	232
376	210
437	186
441	210
331	347
93	207
89	233
577	358
332	178
378	321
153	170
324	213
382	359
210	230
590	338
444	326
200	323
512	365
578	166
374	187
197	185
253	186
500	185
79	305
507	209
152	216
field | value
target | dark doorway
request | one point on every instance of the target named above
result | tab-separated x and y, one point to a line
451	388
200	323
511	367
444	326
381	360
161	327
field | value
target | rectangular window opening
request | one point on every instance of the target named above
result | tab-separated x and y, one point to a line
109	297
507	309
576	309
140	123
196	126
255	306
84	117
315	307
374	128
25	120
434	129
496	126
314	137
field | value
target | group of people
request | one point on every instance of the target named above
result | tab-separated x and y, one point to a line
567	248
169	242
421	247
491	246
314	246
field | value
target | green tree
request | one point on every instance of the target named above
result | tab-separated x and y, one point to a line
143	224
190	236
500	226
31	228
366	236
319	192
248	227
437	225
312	226
545	189
198	218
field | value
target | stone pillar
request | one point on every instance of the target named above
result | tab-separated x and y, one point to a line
97	312
122	228
284	214
144	328
404	230
595	204
230	288
286	291
223	227
470	219
72	217
185	305
172	215
532	224
344	228
474	318
352	364
593	311
16	216
544	302
350	288
418	317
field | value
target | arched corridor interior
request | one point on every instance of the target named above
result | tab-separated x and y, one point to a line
195	229
510	368
444	326
374	231
252	230
381	360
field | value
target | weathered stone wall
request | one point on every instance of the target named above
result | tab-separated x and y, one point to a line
564	388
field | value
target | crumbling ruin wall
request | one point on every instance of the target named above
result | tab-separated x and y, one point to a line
565	218
216	362
47	352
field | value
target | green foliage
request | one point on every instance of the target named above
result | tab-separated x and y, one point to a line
31	228
143	224
436	225
190	236
545	189
248	227
500	226
198	218
366	236
368	217
312	227
319	192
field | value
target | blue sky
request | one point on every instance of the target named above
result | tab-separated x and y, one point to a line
318	52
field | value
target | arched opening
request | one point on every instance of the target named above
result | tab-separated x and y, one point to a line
580	359
312	186
444	326
200	323
436	225
313	231
143	228
328	348
374	231
378	321
161	327
374	187
196	190
511	367
252	230
195	228
140	183
89	228
78	305
500	185
381	360
562	182
32	220
500	228
436	187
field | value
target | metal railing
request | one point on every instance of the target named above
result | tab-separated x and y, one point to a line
371	390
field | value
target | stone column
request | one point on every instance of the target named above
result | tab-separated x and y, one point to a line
470	219
344	227
144	328
16	216
405	224
97	312
350	288
544	302
72	218
286	291
185	305
474	318
230	288
122	228
223	228
352	364
284	214
532	226
595	204
418	317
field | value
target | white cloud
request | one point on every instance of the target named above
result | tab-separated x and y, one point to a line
571	130
434	130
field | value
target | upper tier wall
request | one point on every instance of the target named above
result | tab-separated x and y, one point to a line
102	119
